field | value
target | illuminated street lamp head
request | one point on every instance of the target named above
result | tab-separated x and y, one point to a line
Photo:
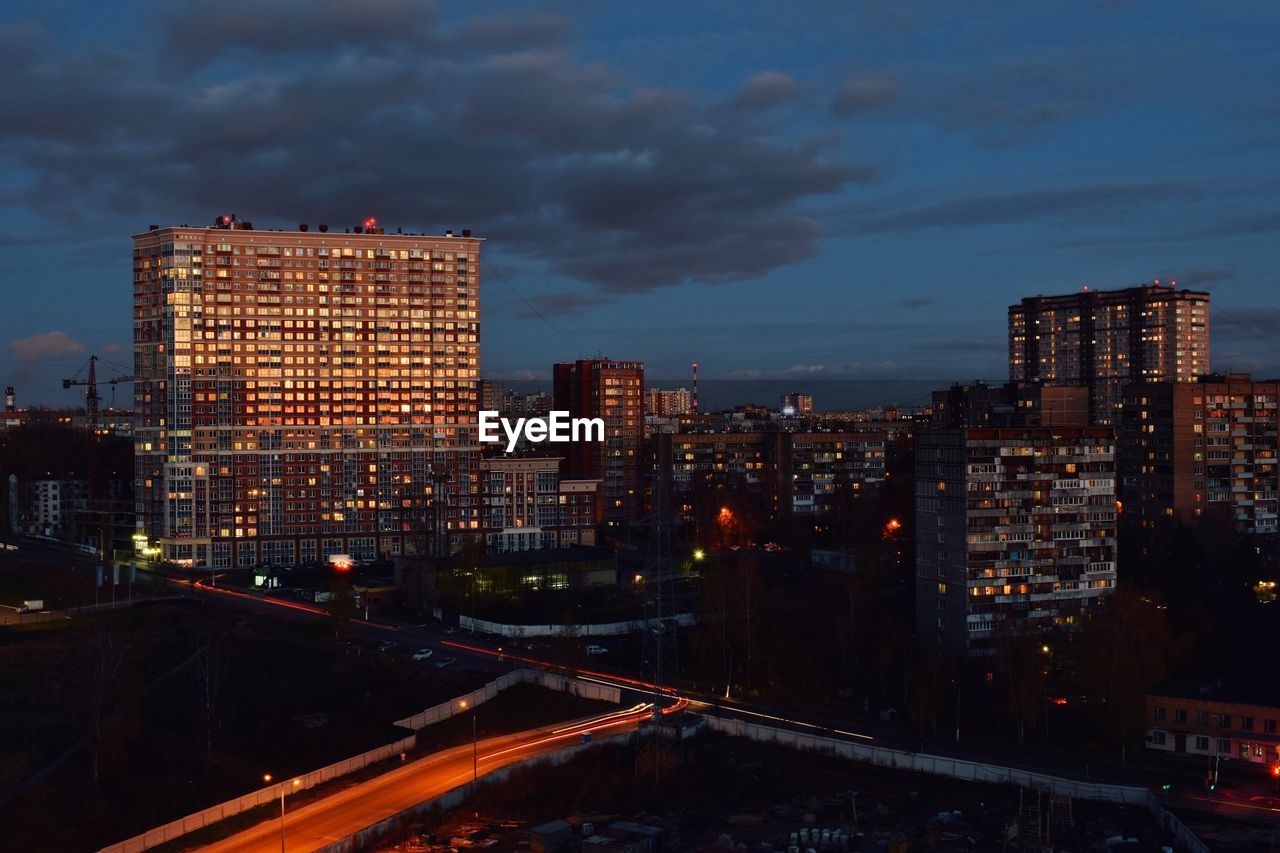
699	554
266	777
1045	649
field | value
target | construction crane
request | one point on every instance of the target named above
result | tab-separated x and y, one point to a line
92	399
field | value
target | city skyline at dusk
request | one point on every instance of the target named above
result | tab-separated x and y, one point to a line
771	198
590	427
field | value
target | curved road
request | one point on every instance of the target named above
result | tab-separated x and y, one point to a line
348	811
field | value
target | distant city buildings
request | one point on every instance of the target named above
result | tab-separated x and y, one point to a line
491	395
786	472
1205	449
536	404
1011	404
1015	532
796	404
303	393
614	391
660	402
1105	339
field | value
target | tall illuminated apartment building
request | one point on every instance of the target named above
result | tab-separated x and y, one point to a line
1106	339
304	393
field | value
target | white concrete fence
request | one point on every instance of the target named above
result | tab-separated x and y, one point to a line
602	629
271	793
970	771
549	680
443	711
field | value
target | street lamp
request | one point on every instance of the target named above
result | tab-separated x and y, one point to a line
296	782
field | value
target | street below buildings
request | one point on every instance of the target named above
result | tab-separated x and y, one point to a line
346	812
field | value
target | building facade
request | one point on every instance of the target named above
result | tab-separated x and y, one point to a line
303	393
1015	532
665	403
796	403
613	391
492	395
1202	449
1011	405
1215	719
1106	339
53	503
527	505
785	472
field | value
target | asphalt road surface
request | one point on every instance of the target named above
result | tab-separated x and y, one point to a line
348	811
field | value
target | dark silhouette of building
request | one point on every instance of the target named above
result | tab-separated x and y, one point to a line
1190	450
613	391
1106	339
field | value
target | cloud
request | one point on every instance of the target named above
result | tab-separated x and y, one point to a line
1254	322
1196	277
1026	98
917	302
1083	202
864	93
559	304
350	110
977	345
203	32
763	91
47	345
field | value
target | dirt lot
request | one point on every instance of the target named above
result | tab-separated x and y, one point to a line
60	582
717	792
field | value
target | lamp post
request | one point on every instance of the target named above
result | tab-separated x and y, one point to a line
296	782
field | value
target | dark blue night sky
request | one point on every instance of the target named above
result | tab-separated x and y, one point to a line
777	190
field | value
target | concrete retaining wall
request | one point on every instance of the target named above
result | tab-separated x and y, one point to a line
177	828
549	680
603	629
971	771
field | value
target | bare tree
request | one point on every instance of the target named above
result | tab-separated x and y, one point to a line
211	689
747	588
104	657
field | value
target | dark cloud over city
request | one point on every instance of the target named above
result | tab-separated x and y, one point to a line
618	167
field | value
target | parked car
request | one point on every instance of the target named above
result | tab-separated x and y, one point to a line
597	650
422	654
443	662
387	646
